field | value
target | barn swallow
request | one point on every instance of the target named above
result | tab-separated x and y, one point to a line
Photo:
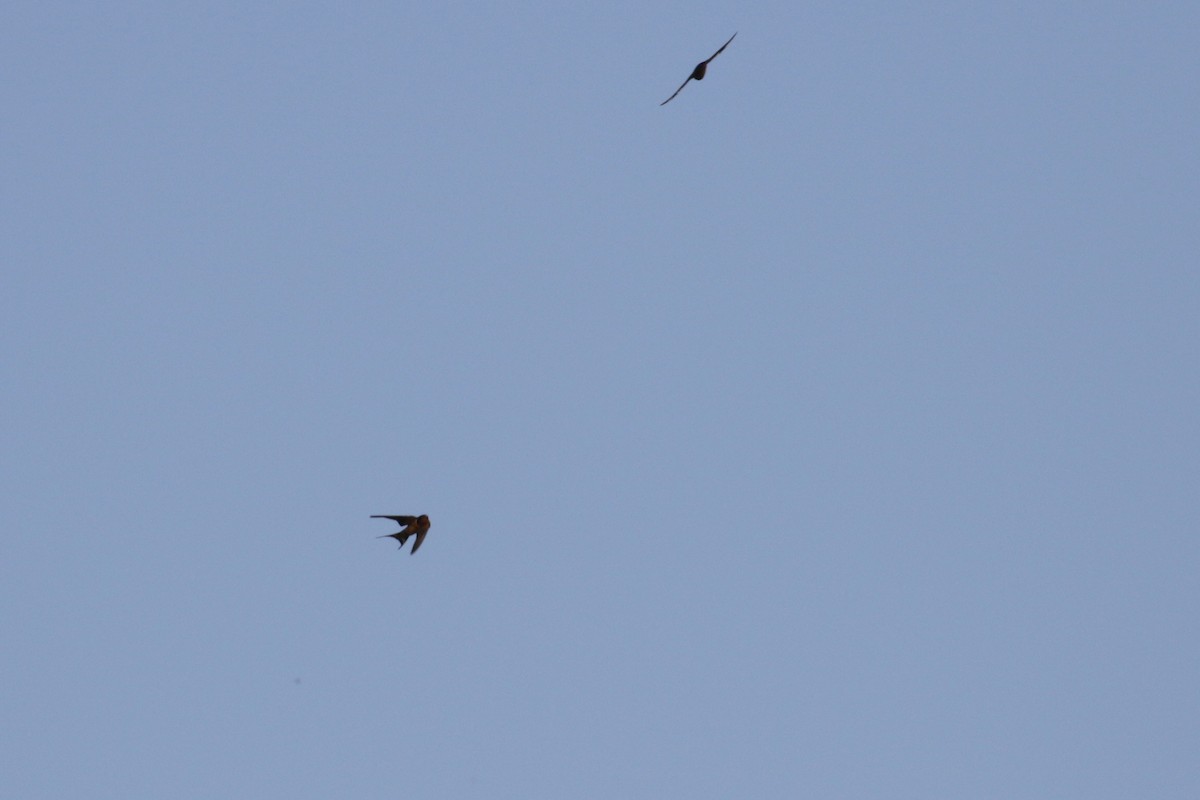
418	525
698	72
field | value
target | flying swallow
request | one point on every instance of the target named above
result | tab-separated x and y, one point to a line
698	72
412	525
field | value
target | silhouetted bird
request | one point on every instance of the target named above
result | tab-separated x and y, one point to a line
412	525
698	72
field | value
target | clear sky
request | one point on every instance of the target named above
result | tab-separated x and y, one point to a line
831	431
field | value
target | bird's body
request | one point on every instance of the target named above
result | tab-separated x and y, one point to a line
699	72
411	526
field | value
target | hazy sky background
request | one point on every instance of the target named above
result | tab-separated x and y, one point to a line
829	432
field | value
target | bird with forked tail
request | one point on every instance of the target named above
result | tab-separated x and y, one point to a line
411	526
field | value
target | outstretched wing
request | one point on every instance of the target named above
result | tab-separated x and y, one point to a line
420	538
677	91
714	55
403	520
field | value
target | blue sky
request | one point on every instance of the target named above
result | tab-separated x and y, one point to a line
829	432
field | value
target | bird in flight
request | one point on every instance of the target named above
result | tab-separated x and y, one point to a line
698	72
411	525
